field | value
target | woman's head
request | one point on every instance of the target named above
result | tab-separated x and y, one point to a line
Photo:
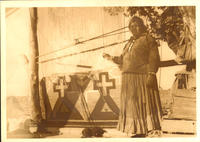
136	26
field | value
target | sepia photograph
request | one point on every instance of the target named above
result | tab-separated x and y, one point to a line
100	72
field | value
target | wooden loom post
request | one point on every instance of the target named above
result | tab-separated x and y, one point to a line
34	67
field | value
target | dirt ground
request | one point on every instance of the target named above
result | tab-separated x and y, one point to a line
76	133
170	128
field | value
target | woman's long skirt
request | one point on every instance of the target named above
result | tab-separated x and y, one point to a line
140	107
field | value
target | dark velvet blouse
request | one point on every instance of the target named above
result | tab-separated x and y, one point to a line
139	56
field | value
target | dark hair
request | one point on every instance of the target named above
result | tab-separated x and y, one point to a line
140	23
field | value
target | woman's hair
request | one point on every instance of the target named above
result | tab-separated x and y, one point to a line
140	23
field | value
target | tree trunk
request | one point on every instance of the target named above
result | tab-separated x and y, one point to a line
34	76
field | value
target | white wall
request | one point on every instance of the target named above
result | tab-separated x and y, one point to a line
17	52
17	68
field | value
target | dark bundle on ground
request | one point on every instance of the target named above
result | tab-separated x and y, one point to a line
92	132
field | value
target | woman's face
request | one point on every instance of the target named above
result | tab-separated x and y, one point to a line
135	29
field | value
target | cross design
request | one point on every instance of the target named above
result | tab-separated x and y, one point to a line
104	84
61	86
65	108
105	107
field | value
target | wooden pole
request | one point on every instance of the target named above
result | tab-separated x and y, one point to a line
34	76
170	63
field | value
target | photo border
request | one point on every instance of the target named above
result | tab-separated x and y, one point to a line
93	3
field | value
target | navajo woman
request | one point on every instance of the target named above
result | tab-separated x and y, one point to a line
140	106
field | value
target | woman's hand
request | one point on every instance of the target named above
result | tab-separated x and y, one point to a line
107	56
151	81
